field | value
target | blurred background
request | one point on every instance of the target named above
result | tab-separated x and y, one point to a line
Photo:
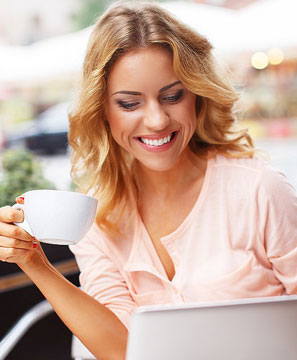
42	45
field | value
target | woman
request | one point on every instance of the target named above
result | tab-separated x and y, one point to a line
187	211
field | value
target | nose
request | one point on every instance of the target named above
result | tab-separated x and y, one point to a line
155	116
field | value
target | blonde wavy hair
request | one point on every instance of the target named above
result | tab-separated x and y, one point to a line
98	162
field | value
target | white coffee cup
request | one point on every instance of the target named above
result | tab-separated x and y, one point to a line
57	216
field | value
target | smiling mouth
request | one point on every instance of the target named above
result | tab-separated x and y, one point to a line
158	142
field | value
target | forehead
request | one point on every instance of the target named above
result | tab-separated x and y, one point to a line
151	67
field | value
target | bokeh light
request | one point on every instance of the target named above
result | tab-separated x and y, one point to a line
259	60
275	56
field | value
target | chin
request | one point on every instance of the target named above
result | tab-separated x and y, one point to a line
158	166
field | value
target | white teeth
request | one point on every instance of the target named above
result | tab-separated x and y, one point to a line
157	142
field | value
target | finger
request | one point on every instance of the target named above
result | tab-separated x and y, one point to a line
6	242
20	199
12	255
14	231
10	215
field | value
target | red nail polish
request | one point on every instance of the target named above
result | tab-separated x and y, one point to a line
20	198
34	244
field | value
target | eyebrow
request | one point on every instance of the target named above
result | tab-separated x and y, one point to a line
128	92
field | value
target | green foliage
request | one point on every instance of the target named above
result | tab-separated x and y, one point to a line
21	173
89	11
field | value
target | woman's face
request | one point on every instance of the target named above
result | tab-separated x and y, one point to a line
151	114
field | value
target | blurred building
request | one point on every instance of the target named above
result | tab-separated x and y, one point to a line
23	22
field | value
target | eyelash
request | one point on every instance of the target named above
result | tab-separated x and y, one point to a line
175	97
127	105
170	99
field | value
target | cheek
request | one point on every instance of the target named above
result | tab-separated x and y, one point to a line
115	127
114	122
190	117
113	117
121	125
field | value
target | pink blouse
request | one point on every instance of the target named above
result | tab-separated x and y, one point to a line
238	241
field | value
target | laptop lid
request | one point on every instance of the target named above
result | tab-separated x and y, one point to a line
257	329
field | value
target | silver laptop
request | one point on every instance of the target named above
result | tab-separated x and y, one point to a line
247	329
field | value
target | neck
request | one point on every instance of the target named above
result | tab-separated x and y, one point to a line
167	184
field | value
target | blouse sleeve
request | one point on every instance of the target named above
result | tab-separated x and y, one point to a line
278	209
101	279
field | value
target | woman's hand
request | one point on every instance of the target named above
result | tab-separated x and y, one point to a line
82	312
16	245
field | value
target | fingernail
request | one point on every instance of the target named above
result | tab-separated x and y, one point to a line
35	244
20	198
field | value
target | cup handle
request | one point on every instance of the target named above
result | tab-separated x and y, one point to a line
24	225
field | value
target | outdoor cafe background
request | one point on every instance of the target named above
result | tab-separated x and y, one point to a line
257	42
41	52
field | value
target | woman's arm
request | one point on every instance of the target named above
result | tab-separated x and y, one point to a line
277	201
95	325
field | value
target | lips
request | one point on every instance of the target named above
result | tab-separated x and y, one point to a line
157	141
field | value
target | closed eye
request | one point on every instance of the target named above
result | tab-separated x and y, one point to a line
174	98
127	105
